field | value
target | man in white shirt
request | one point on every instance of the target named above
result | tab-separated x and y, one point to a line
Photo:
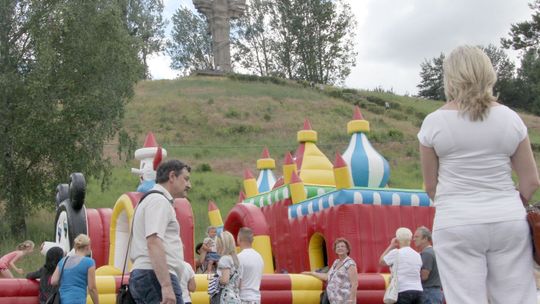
156	248
253	265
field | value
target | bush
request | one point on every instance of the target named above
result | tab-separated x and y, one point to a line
232	113
204	167
394	134
241	129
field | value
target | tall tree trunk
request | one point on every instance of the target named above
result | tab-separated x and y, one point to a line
16	215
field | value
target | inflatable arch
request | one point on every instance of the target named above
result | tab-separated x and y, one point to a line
243	215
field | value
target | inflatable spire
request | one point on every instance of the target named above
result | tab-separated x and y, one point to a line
296	187
341	173
150	157
214	216
368	168
266	179
250	184
241	197
289	166
312	164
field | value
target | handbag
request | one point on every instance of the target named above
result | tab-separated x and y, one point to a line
533	218
391	293
215	288
54	298
324	298
124	295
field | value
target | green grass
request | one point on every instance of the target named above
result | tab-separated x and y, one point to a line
223	124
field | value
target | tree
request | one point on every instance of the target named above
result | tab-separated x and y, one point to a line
324	32
144	21
67	68
253	42
315	40
191	44
432	83
528	82
525	35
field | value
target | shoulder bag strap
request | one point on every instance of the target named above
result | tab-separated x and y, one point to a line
131	232
337	268
62	271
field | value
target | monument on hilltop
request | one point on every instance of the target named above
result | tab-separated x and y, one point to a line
218	14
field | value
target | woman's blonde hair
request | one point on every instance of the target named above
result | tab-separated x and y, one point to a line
26	245
404	236
469	78
225	242
81	241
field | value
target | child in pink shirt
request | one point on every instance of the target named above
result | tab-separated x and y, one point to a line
9	259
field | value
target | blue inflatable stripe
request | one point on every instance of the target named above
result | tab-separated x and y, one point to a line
359	162
293	212
386	197
405	199
367	197
386	174
305	209
315	205
264	187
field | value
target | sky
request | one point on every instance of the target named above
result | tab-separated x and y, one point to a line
393	37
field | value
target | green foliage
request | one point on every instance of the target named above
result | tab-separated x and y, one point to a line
300	39
431	85
204	167
191	46
144	21
67	70
233	114
525	35
528	81
253	44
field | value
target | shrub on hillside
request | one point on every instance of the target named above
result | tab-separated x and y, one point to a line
232	113
204	167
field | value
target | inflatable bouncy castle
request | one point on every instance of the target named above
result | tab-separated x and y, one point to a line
317	201
295	219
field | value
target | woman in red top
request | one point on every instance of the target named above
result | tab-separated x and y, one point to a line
9	259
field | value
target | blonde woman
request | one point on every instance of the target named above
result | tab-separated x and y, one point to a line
9	259
408	262
79	274
468	149
228	269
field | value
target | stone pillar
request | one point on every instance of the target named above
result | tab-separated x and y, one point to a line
218	14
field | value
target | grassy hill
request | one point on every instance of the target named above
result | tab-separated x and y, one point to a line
219	125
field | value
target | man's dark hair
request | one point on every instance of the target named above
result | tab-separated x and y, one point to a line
163	170
424	231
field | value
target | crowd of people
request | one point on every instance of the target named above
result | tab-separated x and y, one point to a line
480	251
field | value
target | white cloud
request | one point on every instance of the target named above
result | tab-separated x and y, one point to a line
394	37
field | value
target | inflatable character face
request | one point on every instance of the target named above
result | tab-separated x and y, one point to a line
150	157
62	232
